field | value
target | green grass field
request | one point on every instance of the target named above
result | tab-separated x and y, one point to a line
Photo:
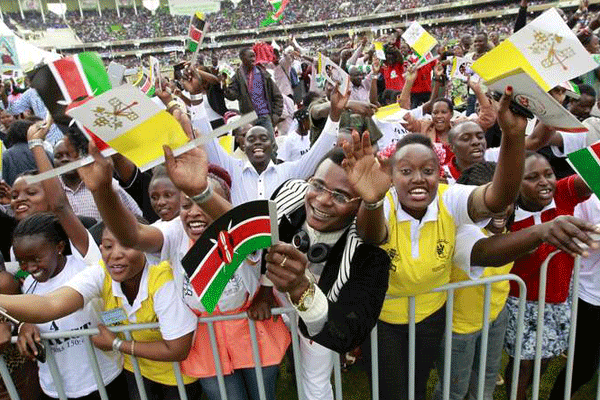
355	385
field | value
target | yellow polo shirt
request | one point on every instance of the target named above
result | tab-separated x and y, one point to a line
421	254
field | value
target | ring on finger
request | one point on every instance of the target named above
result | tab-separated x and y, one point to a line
282	263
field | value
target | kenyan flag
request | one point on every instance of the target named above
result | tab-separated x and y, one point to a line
196	32
70	81
145	82
277	13
214	258
587	164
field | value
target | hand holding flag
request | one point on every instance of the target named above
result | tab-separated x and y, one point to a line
225	244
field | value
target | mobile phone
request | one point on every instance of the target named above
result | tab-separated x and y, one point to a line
41	352
514	106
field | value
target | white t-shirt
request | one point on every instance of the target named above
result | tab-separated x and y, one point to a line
70	354
589	277
294	146
175	319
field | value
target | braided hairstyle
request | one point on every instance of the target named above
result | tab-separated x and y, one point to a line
478	174
45	224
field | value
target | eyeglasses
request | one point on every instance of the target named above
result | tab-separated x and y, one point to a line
339	198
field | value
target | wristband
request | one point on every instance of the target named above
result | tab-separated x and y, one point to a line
172	104
373	206
116	344
34	143
204	196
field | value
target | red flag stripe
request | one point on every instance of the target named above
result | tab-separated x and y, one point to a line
195	33
213	262
596	149
72	81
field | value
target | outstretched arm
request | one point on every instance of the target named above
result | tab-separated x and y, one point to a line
97	177
38	309
55	194
503	190
567	233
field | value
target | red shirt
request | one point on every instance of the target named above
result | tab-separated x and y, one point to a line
392	76
423	82
561	265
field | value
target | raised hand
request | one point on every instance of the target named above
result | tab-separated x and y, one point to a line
97	175
338	102
510	123
40	129
369	175
188	171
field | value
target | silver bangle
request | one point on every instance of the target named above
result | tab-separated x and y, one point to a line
34	143
204	196
373	206
116	344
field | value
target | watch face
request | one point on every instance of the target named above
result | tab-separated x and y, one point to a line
308	300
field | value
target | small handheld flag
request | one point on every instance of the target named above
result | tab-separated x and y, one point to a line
586	162
196	32
419	39
275	16
546	49
145	81
214	258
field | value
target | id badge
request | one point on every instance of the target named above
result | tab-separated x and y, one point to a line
113	317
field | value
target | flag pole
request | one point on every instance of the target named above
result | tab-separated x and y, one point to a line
42	11
134	7
21	9
99	9
117	7
80	9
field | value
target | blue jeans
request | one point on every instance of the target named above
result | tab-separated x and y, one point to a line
466	355
242	384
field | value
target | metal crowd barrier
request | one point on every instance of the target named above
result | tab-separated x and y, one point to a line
445	379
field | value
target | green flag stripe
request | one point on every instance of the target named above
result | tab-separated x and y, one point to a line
94	71
587	167
213	293
192	46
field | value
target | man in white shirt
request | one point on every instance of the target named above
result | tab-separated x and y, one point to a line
259	176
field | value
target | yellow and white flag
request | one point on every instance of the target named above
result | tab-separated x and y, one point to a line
419	39
379	52
131	123
546	49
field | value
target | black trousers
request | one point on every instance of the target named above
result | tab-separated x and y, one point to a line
392	343
587	350
158	391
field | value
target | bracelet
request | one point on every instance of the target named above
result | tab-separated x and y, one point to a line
374	206
116	344
133	348
19	327
204	196
172	104
34	143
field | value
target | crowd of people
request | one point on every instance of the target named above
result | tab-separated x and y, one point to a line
371	211
245	15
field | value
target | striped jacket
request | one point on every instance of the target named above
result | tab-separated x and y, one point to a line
354	279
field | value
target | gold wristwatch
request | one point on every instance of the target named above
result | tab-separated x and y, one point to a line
306	299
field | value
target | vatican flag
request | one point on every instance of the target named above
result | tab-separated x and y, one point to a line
419	39
546	49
